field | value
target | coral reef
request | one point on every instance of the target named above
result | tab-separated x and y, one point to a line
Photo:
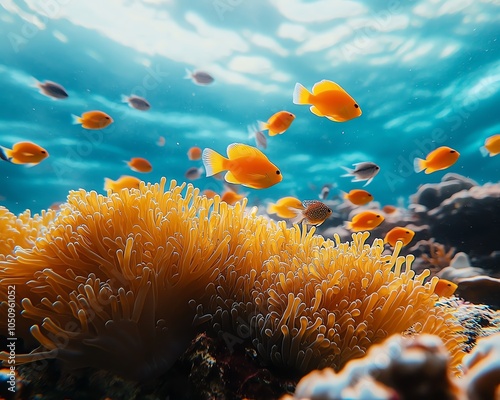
459	267
473	214
480	289
431	195
408	368
124	282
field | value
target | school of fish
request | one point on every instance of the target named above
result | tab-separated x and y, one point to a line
248	166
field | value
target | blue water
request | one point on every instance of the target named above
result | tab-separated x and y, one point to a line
425	73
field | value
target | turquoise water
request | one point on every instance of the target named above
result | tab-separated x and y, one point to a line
425	74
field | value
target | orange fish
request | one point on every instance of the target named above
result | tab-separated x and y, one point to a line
139	164
389	209
329	100
93	120
437	160
491	146
231	197
365	221
286	207
278	123
405	235
313	212
445	288
161	141
209	193
56	206
194	153
124	182
358	197
246	165
24	153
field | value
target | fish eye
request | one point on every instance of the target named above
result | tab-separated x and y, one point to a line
106	117
378	216
278	172
407	232
44	152
377	167
355	105
452	151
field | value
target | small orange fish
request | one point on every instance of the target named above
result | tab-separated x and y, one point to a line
491	146
139	164
358	197
278	123
161	141
194	153
231	197
314	212
246	165
441	158
405	235
329	100
209	193
124	182
93	120
56	206
389	209
445	288
24	153
365	221
286	207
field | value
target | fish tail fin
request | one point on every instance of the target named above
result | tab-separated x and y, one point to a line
484	151
368	181
34	82
251	131
300	94
343	195
348	225
108	184
75	119
5	154
348	170
213	162
271	208
124	98
418	165
262	126
299	215
189	74
127	163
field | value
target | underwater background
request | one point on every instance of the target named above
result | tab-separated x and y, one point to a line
425	73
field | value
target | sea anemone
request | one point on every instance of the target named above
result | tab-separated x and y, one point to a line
108	283
121	282
21	230
315	303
